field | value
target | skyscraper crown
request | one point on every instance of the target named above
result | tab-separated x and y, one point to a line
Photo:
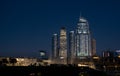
81	19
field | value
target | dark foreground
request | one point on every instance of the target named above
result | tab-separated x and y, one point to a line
49	71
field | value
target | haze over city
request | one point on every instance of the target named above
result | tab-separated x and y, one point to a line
27	26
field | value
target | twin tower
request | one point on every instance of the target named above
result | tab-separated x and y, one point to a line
77	46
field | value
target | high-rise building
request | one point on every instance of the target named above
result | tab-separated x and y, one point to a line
110	53
71	52
63	46
54	48
93	43
81	45
82	39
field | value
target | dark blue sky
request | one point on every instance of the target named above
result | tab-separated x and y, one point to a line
26	26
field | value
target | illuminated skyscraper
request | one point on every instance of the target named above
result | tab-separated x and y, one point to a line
54	48
71	47
82	39
63	46
80	45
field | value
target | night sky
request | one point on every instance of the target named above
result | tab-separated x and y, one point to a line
26	26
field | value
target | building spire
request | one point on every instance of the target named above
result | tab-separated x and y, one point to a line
80	14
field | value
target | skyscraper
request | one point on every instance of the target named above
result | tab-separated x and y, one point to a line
63	46
93	43
82	39
80	46
54	48
71	47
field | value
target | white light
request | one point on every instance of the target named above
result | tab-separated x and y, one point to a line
84	32
82	20
72	31
79	32
42	54
61	57
117	50
54	34
82	65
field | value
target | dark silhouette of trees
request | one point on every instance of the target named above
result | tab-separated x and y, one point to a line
4	62
13	61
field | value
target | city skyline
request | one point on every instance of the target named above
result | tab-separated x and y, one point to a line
78	45
27	26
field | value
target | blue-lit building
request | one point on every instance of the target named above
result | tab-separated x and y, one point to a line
81	45
54	55
43	55
82	39
71	52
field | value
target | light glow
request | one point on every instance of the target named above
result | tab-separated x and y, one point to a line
79	65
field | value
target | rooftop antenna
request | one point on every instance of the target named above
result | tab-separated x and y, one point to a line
80	16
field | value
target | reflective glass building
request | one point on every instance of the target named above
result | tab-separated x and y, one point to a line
82	39
54	48
63	46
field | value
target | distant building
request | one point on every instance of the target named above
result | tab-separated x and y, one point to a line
18	61
93	47
81	45
43	55
110	54
82	39
118	52
26	61
71	53
54	55
106	54
63	46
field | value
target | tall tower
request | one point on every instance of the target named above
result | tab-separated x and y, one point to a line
82	39
71	47
54	48
93	51
63	46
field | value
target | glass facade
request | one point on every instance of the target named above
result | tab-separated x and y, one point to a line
71	47
54	47
63	46
82	39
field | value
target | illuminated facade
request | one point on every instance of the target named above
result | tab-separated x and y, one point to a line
80	45
54	48
82	39
63	46
71	47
